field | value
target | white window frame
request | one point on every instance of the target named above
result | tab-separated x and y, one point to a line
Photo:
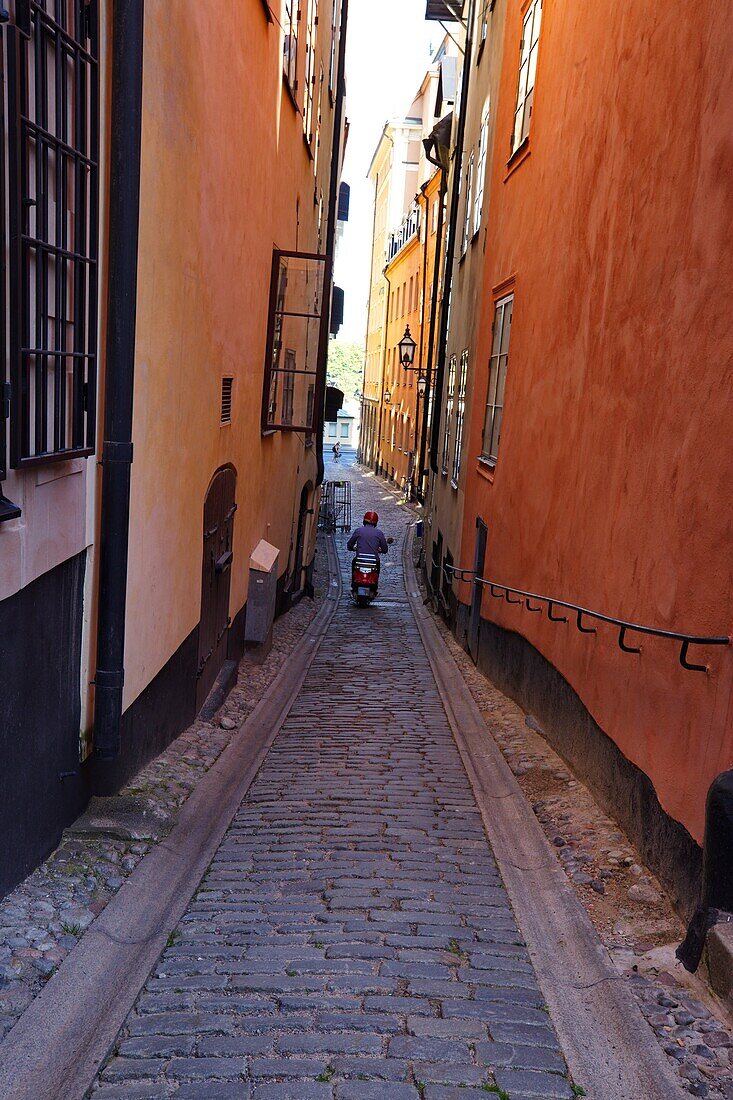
450	391
469	204
501	334
460	413
309	83
483	143
291	18
528	49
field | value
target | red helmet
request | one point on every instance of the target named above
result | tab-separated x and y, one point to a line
371	518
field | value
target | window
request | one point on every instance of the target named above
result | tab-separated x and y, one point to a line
448	412
331	431
53	204
486	7
483	141
288	380
527	69
310	70
296	306
469	205
317	146
344	429
497	377
290	43
460	409
334	45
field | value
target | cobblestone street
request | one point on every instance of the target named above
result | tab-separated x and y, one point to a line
352	938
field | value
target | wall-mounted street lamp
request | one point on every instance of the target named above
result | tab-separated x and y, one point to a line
407	349
422	385
387	397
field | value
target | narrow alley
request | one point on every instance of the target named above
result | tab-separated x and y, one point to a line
352	936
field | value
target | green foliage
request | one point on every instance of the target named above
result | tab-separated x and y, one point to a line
578	1090
327	1074
345	366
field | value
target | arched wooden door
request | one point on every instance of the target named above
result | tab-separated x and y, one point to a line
303	513
219	509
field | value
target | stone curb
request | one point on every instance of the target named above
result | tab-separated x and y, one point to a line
719	960
608	1045
58	1044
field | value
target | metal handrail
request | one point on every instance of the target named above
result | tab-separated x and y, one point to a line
502	592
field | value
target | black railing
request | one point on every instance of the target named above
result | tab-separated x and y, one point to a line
505	592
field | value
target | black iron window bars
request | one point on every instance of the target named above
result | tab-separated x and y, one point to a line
505	592
53	184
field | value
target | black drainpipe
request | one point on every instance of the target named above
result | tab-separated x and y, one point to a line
331	237
124	218
450	251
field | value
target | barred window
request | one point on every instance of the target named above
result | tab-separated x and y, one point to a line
497	377
527	69
290	43
53	209
293	384
460	410
450	392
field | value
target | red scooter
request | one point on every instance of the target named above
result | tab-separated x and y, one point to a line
364	578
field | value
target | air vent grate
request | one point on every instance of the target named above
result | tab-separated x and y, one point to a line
226	400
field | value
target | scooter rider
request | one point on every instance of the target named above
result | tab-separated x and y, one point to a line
369	539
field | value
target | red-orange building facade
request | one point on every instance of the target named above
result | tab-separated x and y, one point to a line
597	444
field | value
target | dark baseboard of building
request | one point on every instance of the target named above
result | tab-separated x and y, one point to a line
159	714
622	789
42	788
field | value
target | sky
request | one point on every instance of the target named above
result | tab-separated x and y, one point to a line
388	48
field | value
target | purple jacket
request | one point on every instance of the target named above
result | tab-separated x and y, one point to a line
368	540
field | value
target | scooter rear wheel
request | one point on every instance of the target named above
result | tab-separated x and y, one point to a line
362	601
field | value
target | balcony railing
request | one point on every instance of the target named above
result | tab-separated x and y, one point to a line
410	228
505	592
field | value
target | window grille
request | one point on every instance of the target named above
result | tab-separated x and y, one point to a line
293	381
460	410
497	377
227	385
290	43
53	199
527	69
448	412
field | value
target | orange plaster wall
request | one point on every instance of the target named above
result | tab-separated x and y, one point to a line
613	482
224	167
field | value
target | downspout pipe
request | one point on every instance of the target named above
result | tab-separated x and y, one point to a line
124	220
453	227
338	120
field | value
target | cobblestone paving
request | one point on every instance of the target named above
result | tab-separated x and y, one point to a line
42	919
352	938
